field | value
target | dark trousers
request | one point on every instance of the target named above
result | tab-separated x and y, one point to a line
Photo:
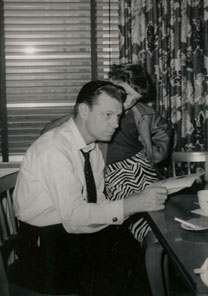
54	261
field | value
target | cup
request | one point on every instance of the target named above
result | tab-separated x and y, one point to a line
203	199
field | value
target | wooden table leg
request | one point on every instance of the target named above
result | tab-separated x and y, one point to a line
154	260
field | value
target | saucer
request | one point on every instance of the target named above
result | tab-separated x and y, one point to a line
199	224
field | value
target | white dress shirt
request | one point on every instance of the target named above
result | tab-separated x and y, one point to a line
51	189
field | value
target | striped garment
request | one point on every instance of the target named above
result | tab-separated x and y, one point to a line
125	177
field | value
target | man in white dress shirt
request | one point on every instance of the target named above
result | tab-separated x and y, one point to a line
62	235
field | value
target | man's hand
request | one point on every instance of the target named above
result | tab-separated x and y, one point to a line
150	199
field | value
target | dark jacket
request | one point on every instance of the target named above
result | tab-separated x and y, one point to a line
154	132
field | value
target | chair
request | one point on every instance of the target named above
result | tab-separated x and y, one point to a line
190	158
8	233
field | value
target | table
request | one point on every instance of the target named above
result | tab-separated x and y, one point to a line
7	171
186	249
8	178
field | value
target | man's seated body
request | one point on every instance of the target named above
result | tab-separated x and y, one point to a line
73	243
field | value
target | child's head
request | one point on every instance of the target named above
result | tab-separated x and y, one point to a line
136	77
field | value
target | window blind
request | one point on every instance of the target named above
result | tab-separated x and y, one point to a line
48	57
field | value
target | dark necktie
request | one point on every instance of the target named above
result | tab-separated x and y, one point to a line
90	182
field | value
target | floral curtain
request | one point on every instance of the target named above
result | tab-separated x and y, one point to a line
170	39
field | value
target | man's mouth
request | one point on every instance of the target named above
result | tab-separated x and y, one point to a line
110	133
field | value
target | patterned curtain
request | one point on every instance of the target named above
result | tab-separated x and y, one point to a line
170	39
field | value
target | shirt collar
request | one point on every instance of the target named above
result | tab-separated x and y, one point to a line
81	144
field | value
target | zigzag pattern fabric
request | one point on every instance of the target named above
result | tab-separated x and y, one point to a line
125	177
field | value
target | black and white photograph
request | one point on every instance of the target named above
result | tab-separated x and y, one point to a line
103	147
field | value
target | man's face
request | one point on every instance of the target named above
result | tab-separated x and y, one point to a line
102	118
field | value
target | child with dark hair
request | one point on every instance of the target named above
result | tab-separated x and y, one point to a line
141	141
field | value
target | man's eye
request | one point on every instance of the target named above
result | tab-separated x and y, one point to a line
107	115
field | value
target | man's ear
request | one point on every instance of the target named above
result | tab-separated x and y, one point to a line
83	110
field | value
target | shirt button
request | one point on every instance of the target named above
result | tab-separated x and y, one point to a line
115	219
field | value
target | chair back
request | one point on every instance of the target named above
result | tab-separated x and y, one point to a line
190	158
8	229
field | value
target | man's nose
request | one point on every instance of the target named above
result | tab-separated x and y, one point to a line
115	122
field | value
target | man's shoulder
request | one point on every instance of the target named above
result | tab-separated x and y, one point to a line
53	139
55	123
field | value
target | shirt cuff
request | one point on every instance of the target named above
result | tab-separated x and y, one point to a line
115	212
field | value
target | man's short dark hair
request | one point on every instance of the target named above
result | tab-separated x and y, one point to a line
90	91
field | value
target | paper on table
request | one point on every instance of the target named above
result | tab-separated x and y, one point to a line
178	183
